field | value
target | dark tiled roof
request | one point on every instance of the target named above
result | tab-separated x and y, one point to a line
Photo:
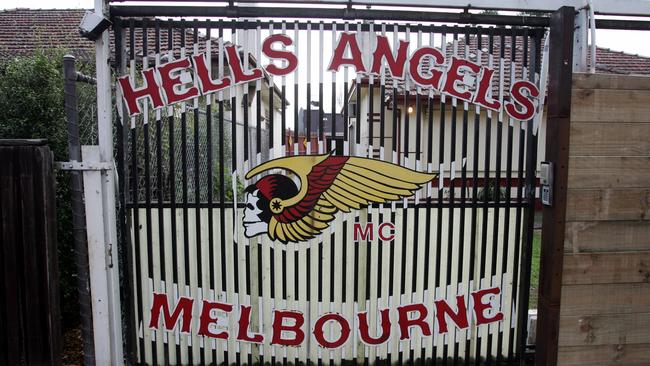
24	31
614	62
179	37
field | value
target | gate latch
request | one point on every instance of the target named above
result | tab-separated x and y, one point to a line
546	180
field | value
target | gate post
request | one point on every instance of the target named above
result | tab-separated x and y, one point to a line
78	211
111	337
557	151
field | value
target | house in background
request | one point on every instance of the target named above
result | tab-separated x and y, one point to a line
414	150
333	133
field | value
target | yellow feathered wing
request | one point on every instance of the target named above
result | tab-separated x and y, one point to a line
359	182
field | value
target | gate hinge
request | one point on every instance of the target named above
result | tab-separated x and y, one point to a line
109	255
80	165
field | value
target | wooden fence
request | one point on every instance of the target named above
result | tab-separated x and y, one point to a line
30	331
605	306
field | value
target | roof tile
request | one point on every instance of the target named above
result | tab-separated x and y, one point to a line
24	31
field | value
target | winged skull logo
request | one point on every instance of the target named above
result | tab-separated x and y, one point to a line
328	184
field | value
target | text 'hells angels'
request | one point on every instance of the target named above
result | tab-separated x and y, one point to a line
455	77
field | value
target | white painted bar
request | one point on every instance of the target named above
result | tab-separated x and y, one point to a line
97	258
111	336
610	7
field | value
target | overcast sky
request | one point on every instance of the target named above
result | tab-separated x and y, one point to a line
635	42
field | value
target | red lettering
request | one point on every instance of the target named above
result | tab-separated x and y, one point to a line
238	73
292	60
484	87
149	90
405	323
244	323
207	318
459	317
391	232
395	66
416	62
169	83
364	332
480	307
160	303
347	39
319	334
516	93
206	84
279	327
368	232
455	73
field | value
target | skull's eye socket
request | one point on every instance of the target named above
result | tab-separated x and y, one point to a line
250	206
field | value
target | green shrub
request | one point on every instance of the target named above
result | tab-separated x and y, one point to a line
32	105
491	192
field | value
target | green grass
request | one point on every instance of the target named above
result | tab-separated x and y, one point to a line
534	274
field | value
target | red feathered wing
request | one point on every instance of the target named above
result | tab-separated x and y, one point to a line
319	179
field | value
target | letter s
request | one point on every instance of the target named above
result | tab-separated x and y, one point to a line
269	52
516	93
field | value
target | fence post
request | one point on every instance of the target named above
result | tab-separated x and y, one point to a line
557	151
78	211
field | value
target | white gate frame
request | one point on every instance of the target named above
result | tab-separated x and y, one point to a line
104	299
101	221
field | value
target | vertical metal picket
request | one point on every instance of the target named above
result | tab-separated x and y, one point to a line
182	187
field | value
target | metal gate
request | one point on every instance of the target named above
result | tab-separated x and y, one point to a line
182	191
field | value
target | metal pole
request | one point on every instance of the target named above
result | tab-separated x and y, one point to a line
592	30
78	210
581	30
105	134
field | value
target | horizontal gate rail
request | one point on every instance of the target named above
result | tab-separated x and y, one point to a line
364	27
326	13
352	14
433	203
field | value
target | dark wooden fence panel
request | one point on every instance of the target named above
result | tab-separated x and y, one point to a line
30	332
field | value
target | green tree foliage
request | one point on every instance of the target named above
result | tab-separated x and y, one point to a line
32	101
492	192
32	105
192	126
